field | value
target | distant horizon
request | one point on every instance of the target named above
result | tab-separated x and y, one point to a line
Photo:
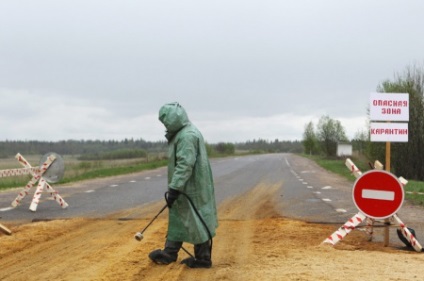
164	140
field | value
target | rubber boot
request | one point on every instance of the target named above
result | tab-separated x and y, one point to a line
167	255
202	256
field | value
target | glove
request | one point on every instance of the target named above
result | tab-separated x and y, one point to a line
172	196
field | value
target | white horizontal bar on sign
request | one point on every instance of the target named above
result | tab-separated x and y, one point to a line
378	194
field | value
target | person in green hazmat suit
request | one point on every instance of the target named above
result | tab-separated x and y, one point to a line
191	195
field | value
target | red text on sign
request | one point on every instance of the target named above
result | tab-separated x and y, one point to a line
389	131
390	103
391	111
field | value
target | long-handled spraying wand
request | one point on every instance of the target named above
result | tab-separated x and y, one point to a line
139	235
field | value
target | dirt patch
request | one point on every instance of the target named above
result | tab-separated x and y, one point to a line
253	242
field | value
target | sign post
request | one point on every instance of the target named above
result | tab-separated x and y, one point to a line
389	107
386	221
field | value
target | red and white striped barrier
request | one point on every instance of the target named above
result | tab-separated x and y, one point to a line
18	172
357	173
25	192
43	184
37	176
344	230
369	229
359	217
37	195
408	235
352	167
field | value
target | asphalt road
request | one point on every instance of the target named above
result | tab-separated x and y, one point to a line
306	192
299	179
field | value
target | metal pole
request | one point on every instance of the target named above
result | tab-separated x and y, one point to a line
387	221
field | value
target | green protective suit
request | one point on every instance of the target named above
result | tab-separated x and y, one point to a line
189	171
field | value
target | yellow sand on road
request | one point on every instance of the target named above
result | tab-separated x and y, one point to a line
253	242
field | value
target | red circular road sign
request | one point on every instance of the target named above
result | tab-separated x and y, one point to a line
378	194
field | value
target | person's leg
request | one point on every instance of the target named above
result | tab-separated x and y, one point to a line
172	248
167	255
203	251
202	254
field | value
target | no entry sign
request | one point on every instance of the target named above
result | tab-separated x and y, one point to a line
378	194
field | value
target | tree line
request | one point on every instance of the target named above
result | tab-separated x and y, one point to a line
261	145
113	149
77	147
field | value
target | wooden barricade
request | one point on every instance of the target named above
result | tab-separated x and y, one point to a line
359	218
37	176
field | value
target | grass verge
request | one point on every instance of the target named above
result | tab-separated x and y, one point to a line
91	172
414	190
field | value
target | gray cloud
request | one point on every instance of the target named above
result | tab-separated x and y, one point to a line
241	68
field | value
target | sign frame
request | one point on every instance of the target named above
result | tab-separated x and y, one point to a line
388	132
389	107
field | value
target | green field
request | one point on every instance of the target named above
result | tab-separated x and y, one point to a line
414	190
78	170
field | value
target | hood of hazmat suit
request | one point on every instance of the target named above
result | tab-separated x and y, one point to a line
189	171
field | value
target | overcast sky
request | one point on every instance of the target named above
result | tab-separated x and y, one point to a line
243	70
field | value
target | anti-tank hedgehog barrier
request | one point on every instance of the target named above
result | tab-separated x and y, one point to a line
51	170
